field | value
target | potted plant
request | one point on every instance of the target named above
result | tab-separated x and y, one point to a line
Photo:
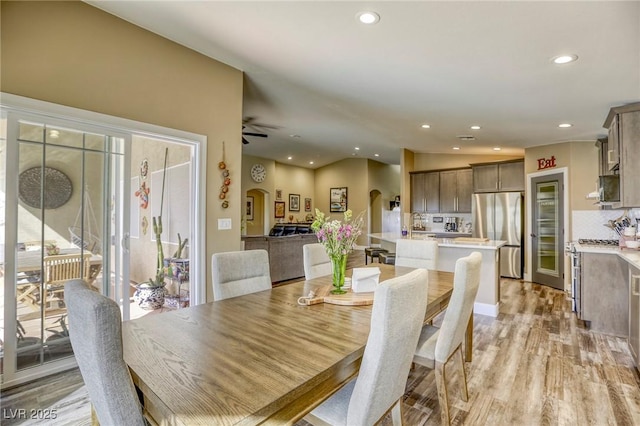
150	294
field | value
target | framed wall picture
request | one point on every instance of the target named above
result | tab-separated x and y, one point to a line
307	204
338	199
294	202
249	212
279	209
279	194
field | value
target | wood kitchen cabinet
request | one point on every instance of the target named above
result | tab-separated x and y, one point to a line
456	187
498	177
604	293
425	192
634	313
624	152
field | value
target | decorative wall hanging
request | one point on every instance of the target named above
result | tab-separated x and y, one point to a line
338	199
249	212
279	209
57	187
294	202
307	204
145	225
144	168
226	180
143	194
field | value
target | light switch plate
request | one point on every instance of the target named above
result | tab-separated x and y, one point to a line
224	223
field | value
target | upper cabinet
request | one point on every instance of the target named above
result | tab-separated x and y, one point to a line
624	151
498	177
455	191
425	192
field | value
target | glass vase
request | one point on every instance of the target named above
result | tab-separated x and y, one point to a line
339	267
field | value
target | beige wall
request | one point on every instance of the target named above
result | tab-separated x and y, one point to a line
73	54
351	173
296	180
385	178
581	160
423	161
143	265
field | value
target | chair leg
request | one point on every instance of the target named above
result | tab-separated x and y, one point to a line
463	374
442	393
396	414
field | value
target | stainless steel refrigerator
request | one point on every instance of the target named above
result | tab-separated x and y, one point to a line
499	216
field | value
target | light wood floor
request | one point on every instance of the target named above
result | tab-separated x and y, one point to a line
535	364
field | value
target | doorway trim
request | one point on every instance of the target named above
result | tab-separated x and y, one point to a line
564	171
119	124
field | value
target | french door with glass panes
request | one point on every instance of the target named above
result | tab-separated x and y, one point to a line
64	198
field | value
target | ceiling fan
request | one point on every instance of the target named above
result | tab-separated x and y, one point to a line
248	122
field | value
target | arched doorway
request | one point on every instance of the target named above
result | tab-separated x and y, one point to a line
375	211
256	215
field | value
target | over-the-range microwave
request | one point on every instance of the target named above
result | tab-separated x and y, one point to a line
609	188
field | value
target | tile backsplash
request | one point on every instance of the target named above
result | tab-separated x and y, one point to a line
591	223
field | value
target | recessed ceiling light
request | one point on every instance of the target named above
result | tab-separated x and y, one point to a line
497	148
289	157
564	59
426	126
310	162
376	155
54	134
475	127
368	17
456	148
565	125
357	148
294	136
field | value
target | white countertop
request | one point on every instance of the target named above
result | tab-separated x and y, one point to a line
392	237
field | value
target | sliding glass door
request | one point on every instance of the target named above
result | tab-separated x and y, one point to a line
66	217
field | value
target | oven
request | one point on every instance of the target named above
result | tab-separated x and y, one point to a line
574	255
573	250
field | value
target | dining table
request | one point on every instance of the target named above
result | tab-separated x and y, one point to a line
260	358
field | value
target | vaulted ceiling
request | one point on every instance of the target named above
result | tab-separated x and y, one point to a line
320	84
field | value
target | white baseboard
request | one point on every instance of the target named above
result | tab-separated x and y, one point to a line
486	309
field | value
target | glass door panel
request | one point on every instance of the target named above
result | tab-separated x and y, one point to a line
67	202
547	238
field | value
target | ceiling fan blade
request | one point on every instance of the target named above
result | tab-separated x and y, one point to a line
260	135
244	141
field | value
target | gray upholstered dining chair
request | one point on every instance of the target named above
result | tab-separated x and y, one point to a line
95	331
236	273
396	320
417	253
437	345
316	261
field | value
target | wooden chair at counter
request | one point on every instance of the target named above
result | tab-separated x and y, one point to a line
316	261
396	320
235	273
95	331
417	253
437	345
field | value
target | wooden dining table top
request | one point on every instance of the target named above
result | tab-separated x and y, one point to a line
257	358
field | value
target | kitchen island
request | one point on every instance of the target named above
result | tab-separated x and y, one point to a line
451	249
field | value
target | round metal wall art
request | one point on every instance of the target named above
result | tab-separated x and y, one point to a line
57	187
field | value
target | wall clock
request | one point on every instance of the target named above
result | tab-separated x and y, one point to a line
258	173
